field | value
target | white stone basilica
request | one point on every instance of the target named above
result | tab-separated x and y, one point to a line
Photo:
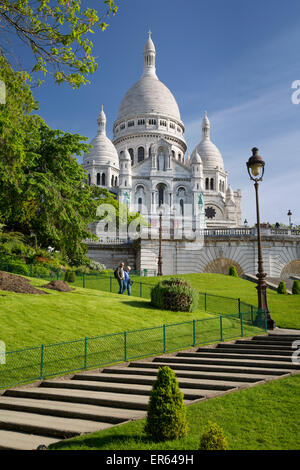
147	165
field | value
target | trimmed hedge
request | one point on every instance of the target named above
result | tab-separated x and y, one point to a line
281	289
213	438
296	287
174	294
166	416
233	271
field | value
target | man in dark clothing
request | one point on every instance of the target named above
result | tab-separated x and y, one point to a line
121	278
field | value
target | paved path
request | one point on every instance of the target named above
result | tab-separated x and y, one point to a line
93	400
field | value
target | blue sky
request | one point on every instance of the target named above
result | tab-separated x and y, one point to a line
237	59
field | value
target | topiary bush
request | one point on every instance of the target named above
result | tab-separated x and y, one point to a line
296	287
40	271
281	289
166	415
174	294
213	438
233	271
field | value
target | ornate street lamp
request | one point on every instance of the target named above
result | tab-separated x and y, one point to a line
256	168
159	262
290	218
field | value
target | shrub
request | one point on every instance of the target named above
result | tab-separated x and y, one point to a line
95	266
166	415
40	271
281	289
69	276
174	294
296	287
233	271
213	438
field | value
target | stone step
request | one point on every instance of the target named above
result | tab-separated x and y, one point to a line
266	344
234	355
274	340
121	388
207	367
230	362
288	335
53	426
139	375
184	383
259	347
246	350
69	410
11	440
115	400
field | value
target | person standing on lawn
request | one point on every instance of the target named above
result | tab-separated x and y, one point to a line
121	278
127	281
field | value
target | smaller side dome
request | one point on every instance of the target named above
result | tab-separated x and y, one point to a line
196	157
125	156
103	152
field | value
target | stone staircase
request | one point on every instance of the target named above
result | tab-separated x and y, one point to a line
56	409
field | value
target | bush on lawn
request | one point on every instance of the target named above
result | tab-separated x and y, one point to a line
166	416
296	287
69	276
233	271
40	271
213	438
174	294
281	289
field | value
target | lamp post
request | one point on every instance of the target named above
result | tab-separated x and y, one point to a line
159	262
290	218
256	168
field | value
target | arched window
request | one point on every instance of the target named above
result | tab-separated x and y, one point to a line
181	207
98	179
125	183
140	203
116	181
220	186
206	183
173	153
223	186
89	179
103	179
161	193
211	183
112	180
141	154
131	156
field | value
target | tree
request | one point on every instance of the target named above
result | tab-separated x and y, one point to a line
42	186
281	289
296	287
57	33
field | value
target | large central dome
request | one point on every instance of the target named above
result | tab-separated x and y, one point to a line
149	95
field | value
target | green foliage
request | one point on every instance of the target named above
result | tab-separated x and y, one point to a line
69	276
281	289
233	271
296	287
174	294
40	271
213	438
58	35
166	416
42	190
14	265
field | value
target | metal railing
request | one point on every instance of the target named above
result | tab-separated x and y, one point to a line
48	360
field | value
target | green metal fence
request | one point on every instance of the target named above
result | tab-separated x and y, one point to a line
28	365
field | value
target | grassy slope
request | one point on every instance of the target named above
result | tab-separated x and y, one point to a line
30	320
285	309
263	417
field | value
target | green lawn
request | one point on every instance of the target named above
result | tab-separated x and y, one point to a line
285	309
31	320
264	417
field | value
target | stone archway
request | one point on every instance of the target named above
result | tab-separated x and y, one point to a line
291	269
222	265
